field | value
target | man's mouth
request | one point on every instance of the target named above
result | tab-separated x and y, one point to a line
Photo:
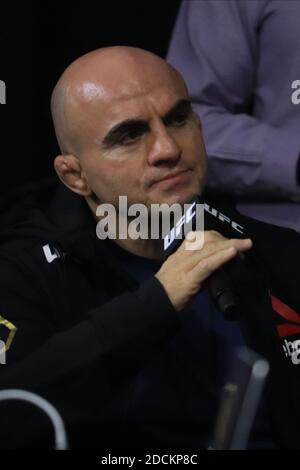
173	178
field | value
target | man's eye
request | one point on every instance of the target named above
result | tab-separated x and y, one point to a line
129	138
179	120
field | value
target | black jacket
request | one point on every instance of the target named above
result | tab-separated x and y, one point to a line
85	328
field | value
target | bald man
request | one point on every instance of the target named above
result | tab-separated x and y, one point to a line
125	345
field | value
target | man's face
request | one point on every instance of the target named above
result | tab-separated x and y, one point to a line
143	141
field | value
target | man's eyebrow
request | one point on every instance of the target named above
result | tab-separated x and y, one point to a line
117	131
140	125
181	106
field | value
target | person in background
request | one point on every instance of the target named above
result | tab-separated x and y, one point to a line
241	62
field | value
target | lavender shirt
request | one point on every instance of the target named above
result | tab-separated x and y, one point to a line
239	59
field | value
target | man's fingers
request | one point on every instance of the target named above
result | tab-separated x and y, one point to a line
202	237
211	247
194	257
211	263
211	237
183	272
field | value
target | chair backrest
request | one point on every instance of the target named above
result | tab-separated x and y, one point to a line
60	436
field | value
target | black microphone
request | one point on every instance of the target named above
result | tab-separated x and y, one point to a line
220	284
222	292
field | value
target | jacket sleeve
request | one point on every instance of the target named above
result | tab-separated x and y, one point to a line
86	364
215	47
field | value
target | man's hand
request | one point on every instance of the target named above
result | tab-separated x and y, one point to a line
183	273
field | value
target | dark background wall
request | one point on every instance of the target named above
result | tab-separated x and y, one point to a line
37	42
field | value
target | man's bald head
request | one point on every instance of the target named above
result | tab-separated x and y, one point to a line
124	121
103	75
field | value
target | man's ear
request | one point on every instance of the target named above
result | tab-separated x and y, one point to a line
70	172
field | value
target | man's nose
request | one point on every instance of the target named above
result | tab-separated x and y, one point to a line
165	149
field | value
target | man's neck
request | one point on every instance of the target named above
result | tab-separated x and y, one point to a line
146	248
